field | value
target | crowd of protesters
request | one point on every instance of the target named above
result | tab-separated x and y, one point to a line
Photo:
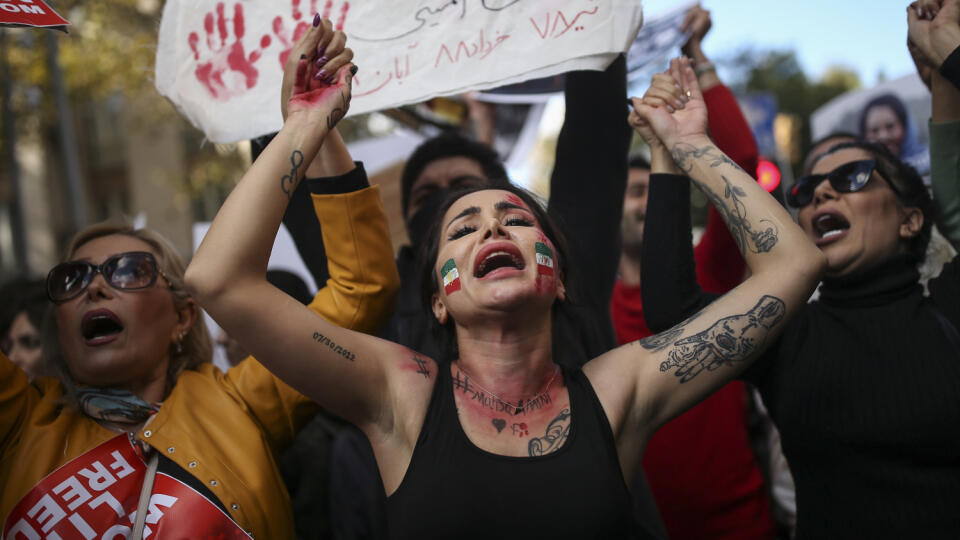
573	369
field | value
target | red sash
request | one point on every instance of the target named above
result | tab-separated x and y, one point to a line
95	496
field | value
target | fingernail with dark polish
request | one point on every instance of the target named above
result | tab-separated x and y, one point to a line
353	70
303	57
331	79
321	61
320	75
316	20
320	51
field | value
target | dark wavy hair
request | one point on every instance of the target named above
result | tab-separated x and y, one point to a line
562	311
450	144
913	192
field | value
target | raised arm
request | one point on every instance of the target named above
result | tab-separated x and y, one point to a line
934	42
587	187
340	369
675	369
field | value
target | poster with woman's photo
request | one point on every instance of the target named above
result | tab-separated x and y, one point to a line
894	113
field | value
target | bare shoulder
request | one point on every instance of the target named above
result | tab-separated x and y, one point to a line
613	376
411	377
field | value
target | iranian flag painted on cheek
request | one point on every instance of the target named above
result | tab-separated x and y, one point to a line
544	259
451	277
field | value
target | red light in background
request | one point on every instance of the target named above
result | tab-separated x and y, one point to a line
768	175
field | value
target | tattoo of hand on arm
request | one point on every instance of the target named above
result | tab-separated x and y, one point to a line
658	342
289	181
557	432
731	339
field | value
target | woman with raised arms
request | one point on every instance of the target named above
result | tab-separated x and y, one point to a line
500	440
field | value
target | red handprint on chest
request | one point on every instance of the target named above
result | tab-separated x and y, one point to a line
223	66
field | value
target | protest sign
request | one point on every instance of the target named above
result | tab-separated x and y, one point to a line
96	496
29	13
220	62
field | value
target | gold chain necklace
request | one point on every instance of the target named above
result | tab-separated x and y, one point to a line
516	409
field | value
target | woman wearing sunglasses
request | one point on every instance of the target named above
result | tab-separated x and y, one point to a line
140	435
863	383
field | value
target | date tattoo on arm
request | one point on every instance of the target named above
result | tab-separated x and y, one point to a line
728	341
324	340
730	204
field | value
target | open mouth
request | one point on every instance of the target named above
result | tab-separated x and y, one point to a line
100	326
494	257
830	225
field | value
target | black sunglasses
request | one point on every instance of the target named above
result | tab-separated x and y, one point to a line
126	271
846	178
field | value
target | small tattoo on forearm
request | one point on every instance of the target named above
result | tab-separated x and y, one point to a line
556	434
338	113
324	340
288	182
729	340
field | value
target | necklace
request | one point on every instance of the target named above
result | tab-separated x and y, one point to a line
517	409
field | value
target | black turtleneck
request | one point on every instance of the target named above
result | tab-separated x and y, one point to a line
864	385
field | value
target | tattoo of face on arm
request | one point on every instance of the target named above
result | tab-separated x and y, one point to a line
557	432
289	181
324	340
731	339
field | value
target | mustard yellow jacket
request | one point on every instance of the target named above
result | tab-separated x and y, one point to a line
223	428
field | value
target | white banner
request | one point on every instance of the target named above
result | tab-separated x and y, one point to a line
220	62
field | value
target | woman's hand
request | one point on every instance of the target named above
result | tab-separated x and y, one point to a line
669	126
317	45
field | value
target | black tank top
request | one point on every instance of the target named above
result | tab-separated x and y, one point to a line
453	489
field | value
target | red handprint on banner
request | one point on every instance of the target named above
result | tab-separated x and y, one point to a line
229	71
301	18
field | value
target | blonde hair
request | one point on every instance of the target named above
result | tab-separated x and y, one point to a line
196	347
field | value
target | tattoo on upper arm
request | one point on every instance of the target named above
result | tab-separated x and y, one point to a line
324	340
421	366
288	182
658	342
731	339
557	432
